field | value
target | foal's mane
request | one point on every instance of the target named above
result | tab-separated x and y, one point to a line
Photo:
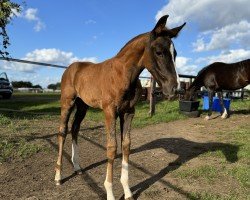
131	41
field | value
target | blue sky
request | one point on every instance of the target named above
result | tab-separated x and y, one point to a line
61	32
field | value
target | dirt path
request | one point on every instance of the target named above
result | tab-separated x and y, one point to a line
157	151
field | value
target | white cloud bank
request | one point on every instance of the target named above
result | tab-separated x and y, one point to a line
222	23
36	74
50	56
229	56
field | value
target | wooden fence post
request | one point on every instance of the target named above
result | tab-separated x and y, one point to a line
152	97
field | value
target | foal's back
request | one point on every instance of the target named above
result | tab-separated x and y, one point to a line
96	84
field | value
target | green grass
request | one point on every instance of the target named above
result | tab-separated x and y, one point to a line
207	172
19	148
49	104
222	167
211	196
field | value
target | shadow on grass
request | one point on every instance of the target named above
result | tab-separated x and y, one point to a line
29	106
244	112
185	149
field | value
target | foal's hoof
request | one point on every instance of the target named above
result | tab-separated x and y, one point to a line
58	182
207	118
130	198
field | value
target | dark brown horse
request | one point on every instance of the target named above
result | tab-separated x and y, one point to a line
114	87
220	76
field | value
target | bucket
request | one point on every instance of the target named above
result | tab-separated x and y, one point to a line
216	104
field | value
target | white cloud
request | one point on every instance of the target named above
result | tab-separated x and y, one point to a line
229	56
90	21
208	14
222	23
39	74
184	66
51	56
39	26
237	33
31	14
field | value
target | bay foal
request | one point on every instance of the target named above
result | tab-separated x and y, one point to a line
220	76
114	87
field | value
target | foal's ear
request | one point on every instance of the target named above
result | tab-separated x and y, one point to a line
161	24
175	31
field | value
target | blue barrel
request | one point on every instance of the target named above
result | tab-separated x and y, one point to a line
216	104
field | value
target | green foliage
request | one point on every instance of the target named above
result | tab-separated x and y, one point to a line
24	84
56	86
7	11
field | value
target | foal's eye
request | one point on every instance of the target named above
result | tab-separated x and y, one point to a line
159	53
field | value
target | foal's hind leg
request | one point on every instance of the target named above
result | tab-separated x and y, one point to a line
67	105
126	120
79	116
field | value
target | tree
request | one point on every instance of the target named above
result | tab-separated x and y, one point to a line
22	84
56	86
25	84
7	11
37	86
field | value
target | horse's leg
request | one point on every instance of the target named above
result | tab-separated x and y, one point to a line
210	96
110	122
224	110
125	128
79	116
67	105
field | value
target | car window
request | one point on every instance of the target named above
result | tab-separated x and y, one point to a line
3	76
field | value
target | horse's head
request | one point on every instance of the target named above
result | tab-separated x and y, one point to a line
163	54
190	94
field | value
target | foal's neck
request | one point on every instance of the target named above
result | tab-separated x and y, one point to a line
134	55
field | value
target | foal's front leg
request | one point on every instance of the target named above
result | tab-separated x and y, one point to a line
110	121
126	120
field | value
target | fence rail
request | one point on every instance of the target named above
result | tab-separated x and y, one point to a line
64	67
32	62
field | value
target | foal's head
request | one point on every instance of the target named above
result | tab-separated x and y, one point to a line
163	54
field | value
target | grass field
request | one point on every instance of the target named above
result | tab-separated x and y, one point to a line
26	115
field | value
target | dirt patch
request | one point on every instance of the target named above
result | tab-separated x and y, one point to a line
157	151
